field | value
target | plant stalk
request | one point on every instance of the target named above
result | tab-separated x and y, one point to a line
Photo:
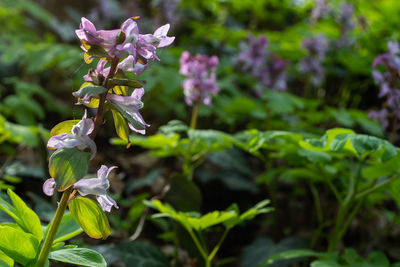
55	223
193	121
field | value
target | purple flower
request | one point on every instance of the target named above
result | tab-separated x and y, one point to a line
388	83
312	64
88	34
268	68
131	105
98	186
346	25
79	137
319	10
201	82
97	75
49	186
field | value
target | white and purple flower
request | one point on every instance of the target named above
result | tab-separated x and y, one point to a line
131	105
90	186
78	138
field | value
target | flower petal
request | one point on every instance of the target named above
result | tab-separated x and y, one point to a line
49	186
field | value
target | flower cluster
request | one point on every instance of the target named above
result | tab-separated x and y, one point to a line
201	83
268	68
126	50
312	64
346	24
320	9
136	50
388	83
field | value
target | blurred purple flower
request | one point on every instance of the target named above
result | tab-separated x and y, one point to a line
98	186
312	64
388	83
131	105
201	82
88	34
268	68
320	9
346	25
79	137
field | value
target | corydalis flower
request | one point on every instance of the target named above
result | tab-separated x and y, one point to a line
140	48
268	68
346	25
98	75
88	35
319	10
312	64
79	137
93	186
201	81
131	105
388	83
98	186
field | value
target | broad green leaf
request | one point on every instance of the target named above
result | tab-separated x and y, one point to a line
183	194
29	221
67	229
67	166
259	208
128	82
63	127
121	126
135	123
79	256
89	91
5	261
90	217
18	245
382	169
315	156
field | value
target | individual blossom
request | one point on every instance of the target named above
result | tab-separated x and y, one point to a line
345	20
88	35
387	80
131	105
200	83
312	64
92	186
98	75
78	138
98	186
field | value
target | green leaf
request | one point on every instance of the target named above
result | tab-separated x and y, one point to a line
183	194
89	91
5	261
63	127
90	217
290	254
128	82
79	256
18	245
121	126
67	166
97	51
29	221
67	229
137	124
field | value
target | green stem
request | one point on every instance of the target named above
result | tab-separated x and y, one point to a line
218	245
335	191
55	223
199	246
193	121
374	188
317	202
344	209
